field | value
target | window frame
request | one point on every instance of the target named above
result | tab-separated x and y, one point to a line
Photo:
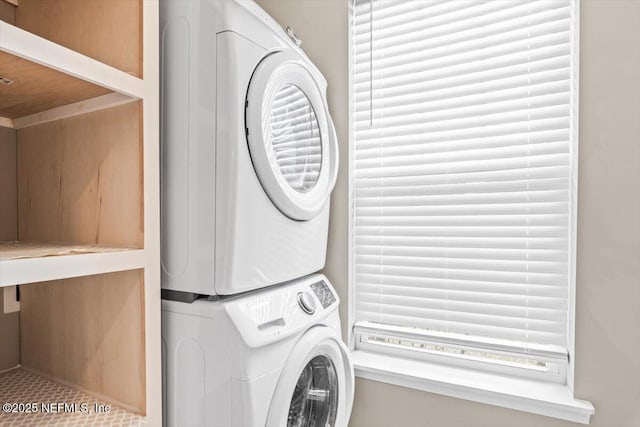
463	379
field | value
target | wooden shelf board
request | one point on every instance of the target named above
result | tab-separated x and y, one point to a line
35	88
29	262
46	75
24	385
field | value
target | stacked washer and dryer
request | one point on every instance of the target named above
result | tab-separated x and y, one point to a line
250	336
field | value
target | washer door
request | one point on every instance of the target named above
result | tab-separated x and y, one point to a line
291	136
315	388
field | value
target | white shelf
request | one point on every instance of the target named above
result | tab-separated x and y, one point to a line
28	262
23	45
82	107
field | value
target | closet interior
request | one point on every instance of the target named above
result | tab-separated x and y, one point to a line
78	206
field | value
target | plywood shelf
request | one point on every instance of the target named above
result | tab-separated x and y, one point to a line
42	78
21	385
29	262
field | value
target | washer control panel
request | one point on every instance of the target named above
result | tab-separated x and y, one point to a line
324	293
272	314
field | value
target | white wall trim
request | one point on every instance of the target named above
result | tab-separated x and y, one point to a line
522	394
351	308
151	166
573	197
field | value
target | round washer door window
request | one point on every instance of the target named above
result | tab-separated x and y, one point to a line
315	397
290	136
315	388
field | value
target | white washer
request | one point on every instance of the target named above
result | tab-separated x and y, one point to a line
249	151
270	358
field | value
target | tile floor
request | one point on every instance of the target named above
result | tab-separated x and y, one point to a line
22	386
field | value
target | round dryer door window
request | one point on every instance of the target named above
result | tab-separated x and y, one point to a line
290	136
293	136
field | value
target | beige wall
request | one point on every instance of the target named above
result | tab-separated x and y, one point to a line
9	323
608	270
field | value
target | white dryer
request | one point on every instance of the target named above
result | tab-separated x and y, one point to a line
271	358
249	152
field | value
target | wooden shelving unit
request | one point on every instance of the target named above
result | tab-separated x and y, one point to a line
79	101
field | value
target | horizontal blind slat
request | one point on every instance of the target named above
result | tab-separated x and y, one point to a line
516	266
470	273
391	282
504	175
552	183
467	290
543	93
463	167
543	312
443	292
464	242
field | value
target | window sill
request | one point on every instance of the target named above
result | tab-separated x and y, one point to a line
549	399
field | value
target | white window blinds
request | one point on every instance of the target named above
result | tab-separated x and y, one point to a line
463	118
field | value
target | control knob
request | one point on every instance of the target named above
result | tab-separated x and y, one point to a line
306	302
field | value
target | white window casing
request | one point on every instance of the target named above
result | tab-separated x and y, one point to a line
463	154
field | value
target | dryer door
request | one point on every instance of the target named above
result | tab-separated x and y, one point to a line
315	388
290	135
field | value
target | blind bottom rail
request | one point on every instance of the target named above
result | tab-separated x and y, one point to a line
374	332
